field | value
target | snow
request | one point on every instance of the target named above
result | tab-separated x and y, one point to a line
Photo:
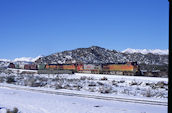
21	70
68	57
35	102
115	77
27	59
3	85
5	60
22	59
146	51
32	100
115	85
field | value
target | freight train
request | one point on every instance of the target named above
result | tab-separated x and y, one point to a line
127	68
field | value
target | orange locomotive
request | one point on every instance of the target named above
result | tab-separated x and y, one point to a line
129	68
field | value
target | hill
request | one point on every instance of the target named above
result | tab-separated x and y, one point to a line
95	54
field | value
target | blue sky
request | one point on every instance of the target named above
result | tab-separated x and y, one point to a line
40	27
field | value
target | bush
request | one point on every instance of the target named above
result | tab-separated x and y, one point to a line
92	84
105	90
161	84
2	79
77	87
90	78
36	84
121	81
115	83
149	93
161	95
100	83
83	78
58	86
104	78
15	110
10	79
31	82
56	79
134	83
126	91
92	89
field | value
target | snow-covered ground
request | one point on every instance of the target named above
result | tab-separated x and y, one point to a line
21	70
34	102
141	87
128	87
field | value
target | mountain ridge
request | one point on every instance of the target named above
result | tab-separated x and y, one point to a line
146	51
96	54
127	51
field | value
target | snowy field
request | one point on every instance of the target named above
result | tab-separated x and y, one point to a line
128	87
34	102
141	87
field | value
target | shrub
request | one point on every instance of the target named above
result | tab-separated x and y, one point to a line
161	95
121	81
92	84
137	88
10	79
67	86
15	110
104	78
100	83
31	82
92	89
148	93
147	84
90	78
105	90
126	91
58	86
161	84
2	79
77	86
36	84
133	83
56	79
83	78
115	83
115	91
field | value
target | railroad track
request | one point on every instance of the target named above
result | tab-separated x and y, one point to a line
150	102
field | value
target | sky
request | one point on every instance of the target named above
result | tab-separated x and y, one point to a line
29	28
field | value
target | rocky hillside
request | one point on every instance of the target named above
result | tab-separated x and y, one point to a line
97	54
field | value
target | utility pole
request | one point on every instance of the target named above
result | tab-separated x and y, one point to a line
170	59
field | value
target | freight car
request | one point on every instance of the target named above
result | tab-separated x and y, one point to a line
33	67
11	65
89	68
17	66
41	66
27	66
21	66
